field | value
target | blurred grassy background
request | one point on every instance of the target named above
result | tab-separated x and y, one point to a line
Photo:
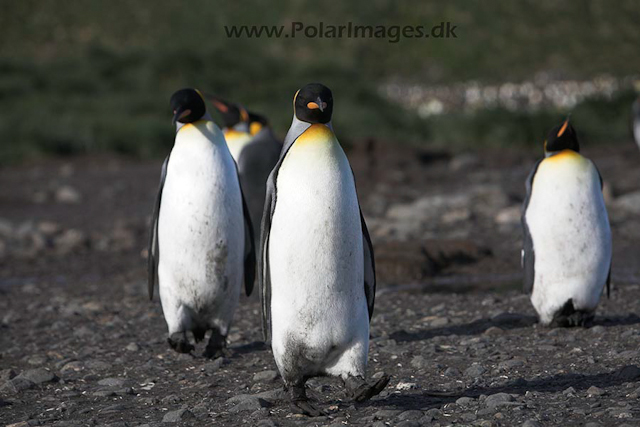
96	76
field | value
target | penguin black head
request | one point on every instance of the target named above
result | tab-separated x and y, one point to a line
231	113
257	122
313	103
187	105
562	137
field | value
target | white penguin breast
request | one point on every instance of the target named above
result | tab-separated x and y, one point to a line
315	243
201	230
569	227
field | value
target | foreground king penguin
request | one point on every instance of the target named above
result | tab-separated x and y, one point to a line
316	267
567	238
201	245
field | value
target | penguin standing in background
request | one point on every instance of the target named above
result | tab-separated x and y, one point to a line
257	123
201	245
255	149
567	238
635	114
255	163
316	267
235	120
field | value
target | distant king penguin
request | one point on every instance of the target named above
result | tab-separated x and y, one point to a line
236	125
316	266
567	238
201	245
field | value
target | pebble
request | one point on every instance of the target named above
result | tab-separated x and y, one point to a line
386	413
531	423
595	391
452	372
410	415
495	400
112	382
132	347
177	416
38	375
474	371
266	376
464	401
250	404
494	331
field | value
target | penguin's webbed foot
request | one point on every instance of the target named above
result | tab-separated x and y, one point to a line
217	346
180	343
360	390
300	403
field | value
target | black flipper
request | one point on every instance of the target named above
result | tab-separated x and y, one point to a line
250	248
369	262
528	253
369	267
152	263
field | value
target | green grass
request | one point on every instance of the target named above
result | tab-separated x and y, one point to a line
97	76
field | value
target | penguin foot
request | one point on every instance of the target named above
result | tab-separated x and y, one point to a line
300	403
179	343
217	346
360	390
569	316
305	407
214	353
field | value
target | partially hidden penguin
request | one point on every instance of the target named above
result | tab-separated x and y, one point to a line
201	246
567	237
316	266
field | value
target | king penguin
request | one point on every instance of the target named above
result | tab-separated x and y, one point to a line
236	125
316	267
255	162
567	237
201	244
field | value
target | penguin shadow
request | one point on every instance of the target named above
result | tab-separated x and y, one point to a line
477	327
252	347
617	320
561	382
557	383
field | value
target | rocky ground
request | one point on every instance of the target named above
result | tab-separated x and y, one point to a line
81	344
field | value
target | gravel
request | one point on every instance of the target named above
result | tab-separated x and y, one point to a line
81	343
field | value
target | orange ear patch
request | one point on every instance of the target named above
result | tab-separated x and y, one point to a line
315	106
244	115
563	128
220	106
